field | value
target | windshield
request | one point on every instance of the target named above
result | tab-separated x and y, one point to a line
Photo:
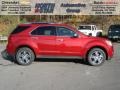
84	28
115	27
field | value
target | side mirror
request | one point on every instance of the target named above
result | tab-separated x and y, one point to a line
75	35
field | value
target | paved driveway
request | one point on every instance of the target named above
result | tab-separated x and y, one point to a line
60	75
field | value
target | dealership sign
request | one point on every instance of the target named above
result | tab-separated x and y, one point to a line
59	7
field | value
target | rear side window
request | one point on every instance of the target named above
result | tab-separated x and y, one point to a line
46	30
19	29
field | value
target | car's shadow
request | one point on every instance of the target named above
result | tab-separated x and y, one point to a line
5	56
76	61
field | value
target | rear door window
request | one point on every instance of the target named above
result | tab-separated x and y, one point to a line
45	30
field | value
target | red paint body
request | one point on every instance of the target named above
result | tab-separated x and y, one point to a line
56	45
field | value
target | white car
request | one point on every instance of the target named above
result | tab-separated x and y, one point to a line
90	30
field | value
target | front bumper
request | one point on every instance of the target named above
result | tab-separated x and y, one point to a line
114	37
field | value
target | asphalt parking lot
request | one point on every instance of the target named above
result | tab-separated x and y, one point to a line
60	75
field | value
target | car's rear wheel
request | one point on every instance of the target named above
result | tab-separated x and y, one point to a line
96	57
25	56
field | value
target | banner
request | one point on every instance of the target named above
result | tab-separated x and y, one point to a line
59	7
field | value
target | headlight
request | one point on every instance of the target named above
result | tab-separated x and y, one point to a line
109	42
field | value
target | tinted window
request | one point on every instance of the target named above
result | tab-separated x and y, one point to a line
115	27
19	29
47	30
93	28
61	31
85	27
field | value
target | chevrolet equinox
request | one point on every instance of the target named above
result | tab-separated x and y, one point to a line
50	40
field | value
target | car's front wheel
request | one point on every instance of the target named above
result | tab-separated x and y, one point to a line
99	34
24	56
96	57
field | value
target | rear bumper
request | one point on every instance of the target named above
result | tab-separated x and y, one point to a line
10	49
7	56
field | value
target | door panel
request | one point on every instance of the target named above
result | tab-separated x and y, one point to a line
47	45
46	39
68	46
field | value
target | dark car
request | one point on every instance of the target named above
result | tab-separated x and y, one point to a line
114	32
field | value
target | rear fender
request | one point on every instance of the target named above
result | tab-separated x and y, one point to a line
31	45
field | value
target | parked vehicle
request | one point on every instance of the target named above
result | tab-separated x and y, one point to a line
49	40
114	32
90	30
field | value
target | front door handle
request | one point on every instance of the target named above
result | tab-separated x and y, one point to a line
61	40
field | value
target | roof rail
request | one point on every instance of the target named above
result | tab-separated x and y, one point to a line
37	23
40	23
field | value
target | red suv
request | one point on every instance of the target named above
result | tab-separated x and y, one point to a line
50	40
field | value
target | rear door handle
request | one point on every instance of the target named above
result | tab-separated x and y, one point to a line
34	37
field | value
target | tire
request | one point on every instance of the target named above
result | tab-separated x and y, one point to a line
96	57
90	34
114	40
24	56
99	34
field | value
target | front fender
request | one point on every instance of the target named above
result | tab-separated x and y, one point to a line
95	44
